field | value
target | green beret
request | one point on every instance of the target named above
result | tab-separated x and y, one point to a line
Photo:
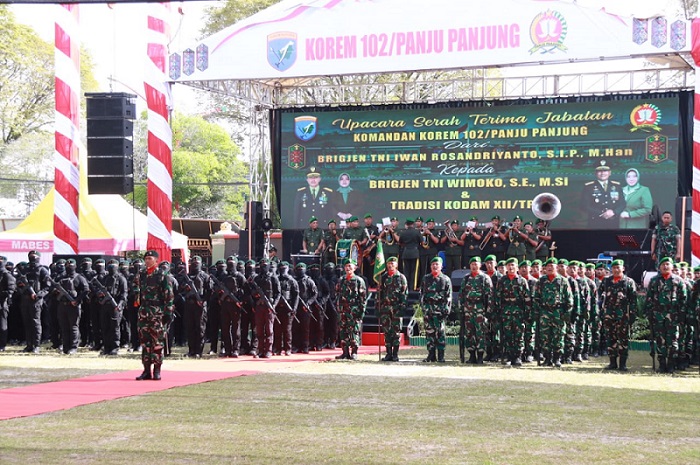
666	259
314	266
100	261
331	221
454	222
551	260
696	269
70	261
220	262
573	263
475	259
284	263
301	266
517	217
410	220
490	258
312	219
512	260
353	218
590	266
473	218
368	215
250	263
264	261
349	261
536	262
419	218
392	259
393	218
496	217
330	265
150	253
599	265
430	220
529	222
524	263
618	262
436	259
683	264
564	261
501	263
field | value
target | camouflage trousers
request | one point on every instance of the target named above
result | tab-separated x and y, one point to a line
583	335
391	325
595	326
349	329
686	338
434	331
512	336
569	338
551	333
475	331
618	339
529	335
151	334
665	334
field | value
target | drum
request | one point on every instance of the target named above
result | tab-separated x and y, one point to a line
346	248
308	259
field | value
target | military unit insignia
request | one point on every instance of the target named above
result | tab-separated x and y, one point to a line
296	157
657	148
645	117
547	32
305	127
282	50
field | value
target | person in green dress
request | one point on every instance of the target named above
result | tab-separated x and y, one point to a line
638	202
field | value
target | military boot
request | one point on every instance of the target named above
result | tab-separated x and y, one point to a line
577	356
556	360
388	356
472	357
156	372
623	363
353	354
146	372
662	365
441	355
613	363
395	354
517	361
430	357
480	357
670	365
345	355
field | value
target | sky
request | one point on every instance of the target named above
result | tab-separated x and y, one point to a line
116	36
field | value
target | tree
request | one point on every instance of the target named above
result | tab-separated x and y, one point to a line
209	178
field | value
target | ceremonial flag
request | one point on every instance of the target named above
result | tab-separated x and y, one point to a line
379	263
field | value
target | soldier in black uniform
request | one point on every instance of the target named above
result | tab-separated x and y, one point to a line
317	326
69	309
266	292
430	246
214	310
369	251
495	241
602	200
327	292
409	240
472	237
57	270
314	200
286	311
7	289
86	329
131	313
231	308
115	292
307	299
96	307
249	336
33	288
196	290
330	239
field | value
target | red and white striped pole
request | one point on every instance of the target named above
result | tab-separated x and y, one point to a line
160	172
695	224
66	224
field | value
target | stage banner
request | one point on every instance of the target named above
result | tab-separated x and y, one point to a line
296	38
608	162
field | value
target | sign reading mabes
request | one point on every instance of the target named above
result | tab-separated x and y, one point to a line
458	162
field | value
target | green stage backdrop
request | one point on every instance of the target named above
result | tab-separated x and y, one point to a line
452	163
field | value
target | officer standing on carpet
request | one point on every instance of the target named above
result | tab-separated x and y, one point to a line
393	291
155	301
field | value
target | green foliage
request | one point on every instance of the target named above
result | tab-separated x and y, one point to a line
209	177
233	11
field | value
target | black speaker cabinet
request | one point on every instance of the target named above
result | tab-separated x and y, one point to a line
110	185
110	105
115	127
110	166
254	215
110	146
253	250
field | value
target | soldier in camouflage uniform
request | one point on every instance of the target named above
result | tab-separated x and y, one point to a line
475	299
330	240
583	330
155	301
619	299
393	291
665	242
530	324
553	301
512	296
351	293
493	340
664	304
436	300
571	318
312	241
686	328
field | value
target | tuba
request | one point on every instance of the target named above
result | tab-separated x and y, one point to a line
546	206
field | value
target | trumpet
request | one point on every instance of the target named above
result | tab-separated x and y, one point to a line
488	236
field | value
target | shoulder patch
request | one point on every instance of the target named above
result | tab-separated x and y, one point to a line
327	189
589	183
301	189
614	182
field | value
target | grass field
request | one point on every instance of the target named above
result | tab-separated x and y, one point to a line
369	413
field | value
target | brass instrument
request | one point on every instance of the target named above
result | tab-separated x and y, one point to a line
425	241
388	235
546	206
488	236
449	232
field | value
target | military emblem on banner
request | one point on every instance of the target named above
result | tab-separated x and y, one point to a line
645	117
547	32
657	148
282	50
296	158
305	127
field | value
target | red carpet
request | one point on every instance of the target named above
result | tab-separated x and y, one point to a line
61	395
